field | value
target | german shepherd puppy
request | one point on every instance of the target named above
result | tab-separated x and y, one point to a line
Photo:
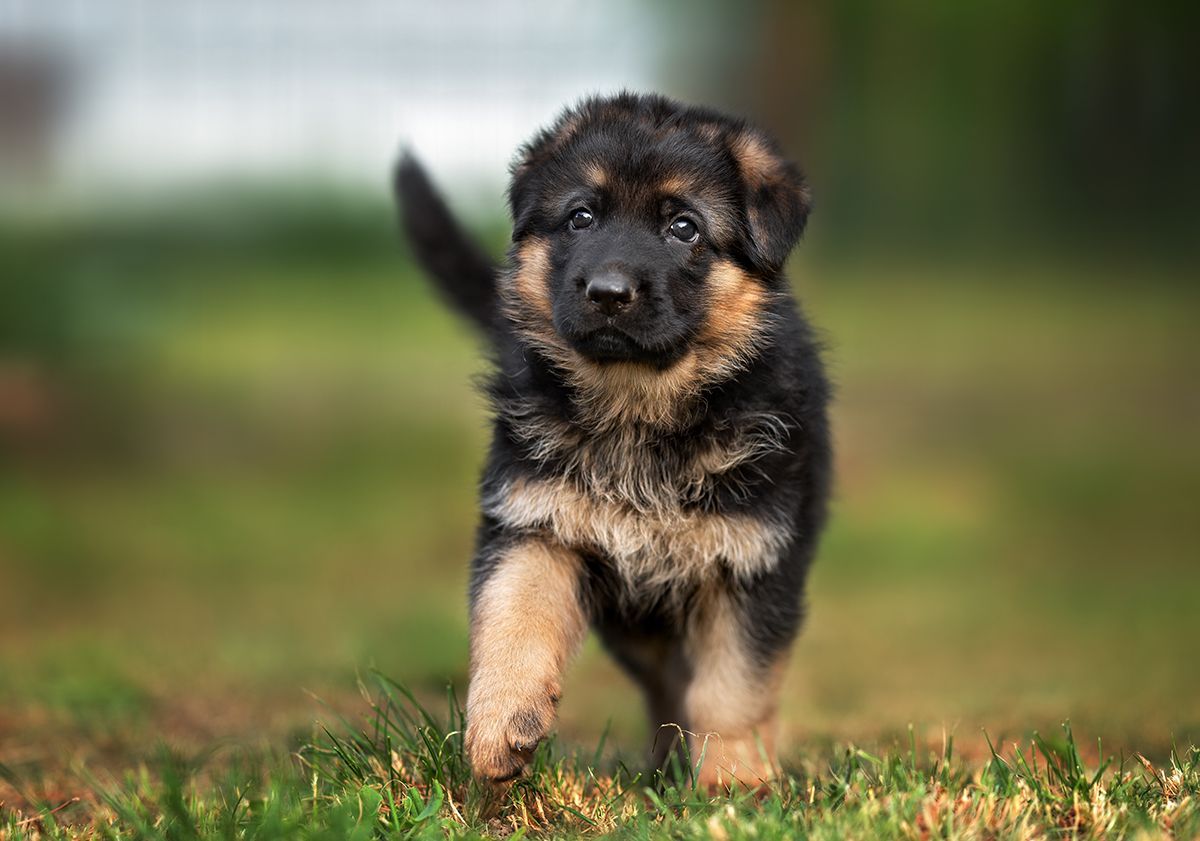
660	458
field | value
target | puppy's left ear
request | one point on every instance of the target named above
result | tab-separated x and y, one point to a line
777	199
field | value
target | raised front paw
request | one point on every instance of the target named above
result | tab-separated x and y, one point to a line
504	730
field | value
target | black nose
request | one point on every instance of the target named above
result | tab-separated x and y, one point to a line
610	291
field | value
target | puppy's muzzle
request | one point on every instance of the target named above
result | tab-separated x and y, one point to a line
610	291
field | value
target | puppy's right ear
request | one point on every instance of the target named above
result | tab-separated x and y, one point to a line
521	187
536	159
777	199
530	170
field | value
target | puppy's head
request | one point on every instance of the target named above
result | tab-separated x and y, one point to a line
650	235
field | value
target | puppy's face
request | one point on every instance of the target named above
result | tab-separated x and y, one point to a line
647	232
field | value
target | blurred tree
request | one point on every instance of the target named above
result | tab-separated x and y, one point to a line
942	124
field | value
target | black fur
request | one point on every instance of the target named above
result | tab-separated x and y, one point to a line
747	219
465	275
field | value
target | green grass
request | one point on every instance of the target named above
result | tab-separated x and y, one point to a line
404	775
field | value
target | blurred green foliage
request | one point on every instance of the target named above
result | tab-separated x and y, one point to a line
935	126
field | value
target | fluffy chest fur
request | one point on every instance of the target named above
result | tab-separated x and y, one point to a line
648	501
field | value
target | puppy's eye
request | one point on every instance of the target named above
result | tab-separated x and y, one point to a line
684	229
581	218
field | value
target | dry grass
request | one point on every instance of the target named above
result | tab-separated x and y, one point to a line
404	775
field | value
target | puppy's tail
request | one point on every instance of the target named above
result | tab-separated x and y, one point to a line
463	272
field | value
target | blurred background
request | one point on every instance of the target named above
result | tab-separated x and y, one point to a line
238	436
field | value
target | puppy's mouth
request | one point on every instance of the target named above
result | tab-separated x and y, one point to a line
610	344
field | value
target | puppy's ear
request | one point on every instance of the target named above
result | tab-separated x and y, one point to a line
777	199
533	163
521	190
533	167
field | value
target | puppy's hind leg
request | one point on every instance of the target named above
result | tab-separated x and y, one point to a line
732	699
657	664
526	623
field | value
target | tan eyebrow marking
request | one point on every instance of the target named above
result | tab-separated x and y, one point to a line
676	185
596	175
705	199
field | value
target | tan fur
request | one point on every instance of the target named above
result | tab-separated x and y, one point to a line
718	216
616	393
758	163
611	464
525	625
734	320
760	167
732	701
531	282
652	550
597	178
675	186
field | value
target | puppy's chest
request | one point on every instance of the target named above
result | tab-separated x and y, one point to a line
650	505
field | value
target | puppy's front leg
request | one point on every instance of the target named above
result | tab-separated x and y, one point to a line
527	621
733	696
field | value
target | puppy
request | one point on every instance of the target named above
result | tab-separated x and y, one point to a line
660	458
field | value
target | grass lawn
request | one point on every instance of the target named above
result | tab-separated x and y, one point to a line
237	469
404	775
